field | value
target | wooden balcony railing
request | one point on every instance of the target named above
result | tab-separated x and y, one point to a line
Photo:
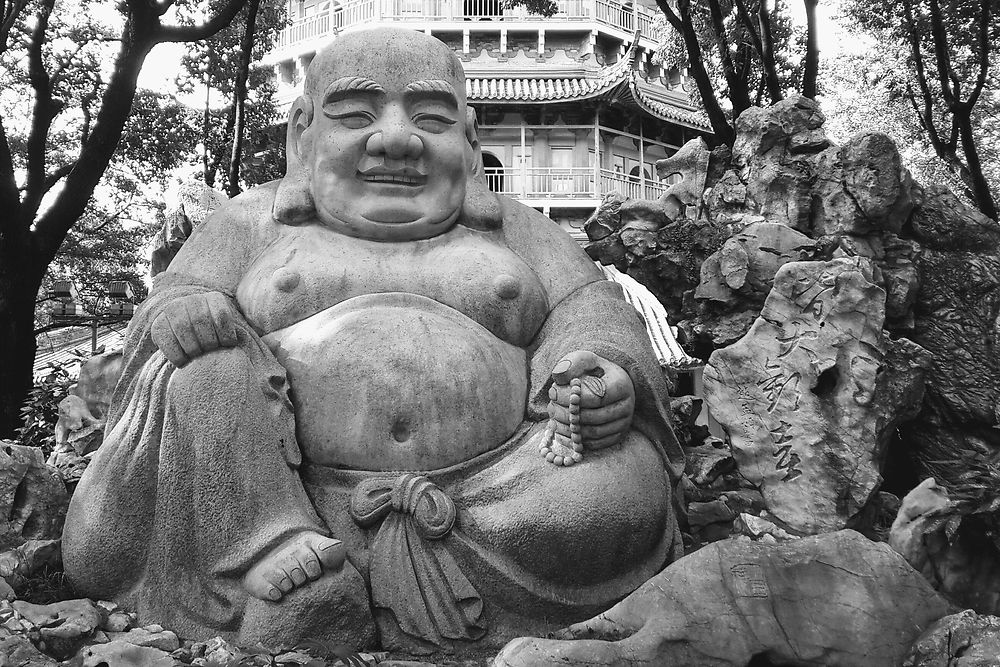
622	15
567	183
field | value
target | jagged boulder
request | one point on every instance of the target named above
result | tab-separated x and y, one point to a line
965	639
799	394
33	498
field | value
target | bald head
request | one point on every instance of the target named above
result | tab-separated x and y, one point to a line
391	55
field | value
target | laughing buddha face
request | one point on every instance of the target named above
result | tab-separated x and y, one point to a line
387	149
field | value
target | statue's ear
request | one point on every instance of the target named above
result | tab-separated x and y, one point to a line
293	203
481	208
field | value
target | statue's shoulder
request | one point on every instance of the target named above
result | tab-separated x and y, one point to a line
249	211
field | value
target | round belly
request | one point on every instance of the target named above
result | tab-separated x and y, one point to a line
399	382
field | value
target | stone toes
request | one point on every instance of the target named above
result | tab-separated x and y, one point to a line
331	553
312	567
279	579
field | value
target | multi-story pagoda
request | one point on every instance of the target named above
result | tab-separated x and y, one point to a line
570	107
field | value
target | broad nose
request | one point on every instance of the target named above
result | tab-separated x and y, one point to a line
396	141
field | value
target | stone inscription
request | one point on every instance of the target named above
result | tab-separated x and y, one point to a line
748	581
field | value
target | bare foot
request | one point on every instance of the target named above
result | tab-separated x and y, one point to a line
303	558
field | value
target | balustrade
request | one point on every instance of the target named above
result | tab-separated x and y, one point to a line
622	15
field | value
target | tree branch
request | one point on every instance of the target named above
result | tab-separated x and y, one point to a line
193	33
10	13
810	70
723	131
983	40
10	198
41	116
240	98
739	95
57	175
939	36
767	54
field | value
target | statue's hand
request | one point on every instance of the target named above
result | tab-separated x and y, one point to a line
607	398
192	325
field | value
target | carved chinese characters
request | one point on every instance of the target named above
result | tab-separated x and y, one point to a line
795	394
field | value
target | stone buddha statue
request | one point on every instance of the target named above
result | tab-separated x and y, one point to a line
373	402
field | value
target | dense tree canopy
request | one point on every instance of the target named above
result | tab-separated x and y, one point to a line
70	69
950	84
739	53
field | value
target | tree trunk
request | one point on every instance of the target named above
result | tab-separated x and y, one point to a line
977	181
811	67
240	98
19	282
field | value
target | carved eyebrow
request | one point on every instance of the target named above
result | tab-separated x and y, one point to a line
346	86
438	88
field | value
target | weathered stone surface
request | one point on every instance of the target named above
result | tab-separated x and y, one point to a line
808	601
796	394
691	164
965	639
743	269
959	554
877	182
606	218
705	463
29	558
642	214
16	650
33	498
189	206
125	654
165	640
63	627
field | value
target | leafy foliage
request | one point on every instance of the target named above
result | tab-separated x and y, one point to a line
948	83
41	410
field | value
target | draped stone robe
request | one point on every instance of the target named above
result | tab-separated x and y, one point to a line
201	474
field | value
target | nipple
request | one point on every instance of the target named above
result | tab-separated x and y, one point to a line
285	280
507	286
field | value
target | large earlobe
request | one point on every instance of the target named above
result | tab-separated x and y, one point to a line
293	202
481	208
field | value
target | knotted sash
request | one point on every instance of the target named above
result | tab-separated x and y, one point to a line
412	574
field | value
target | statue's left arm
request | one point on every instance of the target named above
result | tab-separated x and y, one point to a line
587	313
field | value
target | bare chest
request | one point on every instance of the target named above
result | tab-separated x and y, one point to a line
311	268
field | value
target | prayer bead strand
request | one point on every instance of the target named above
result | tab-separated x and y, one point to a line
575	441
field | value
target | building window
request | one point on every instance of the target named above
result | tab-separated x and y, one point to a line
561	160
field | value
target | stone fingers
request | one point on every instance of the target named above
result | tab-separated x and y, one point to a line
221	312
594	416
602	435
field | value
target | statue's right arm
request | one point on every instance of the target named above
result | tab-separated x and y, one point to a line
214	259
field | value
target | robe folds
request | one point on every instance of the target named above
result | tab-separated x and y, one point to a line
201	475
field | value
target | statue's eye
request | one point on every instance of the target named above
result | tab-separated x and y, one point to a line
433	123
353	120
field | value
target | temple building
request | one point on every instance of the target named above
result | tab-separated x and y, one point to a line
570	107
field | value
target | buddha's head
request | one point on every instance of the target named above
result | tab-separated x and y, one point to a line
384	136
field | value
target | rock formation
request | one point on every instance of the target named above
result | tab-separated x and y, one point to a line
913	374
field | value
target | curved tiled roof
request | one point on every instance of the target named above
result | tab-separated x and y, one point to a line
619	81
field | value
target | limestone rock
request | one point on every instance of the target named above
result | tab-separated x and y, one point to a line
33	498
796	393
806	601
63	627
743	269
705	463
29	558
118	621
124	654
965	639
165	640
189	206
17	651
959	555
760	529
877	181
642	214
691	164
606	218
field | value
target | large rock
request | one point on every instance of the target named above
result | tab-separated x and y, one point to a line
958	553
742	271
965	639
124	654
834	599
797	394
33	498
189	206
62	627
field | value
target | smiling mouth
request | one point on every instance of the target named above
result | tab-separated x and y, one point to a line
408	177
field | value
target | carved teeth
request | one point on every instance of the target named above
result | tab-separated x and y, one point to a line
392	178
